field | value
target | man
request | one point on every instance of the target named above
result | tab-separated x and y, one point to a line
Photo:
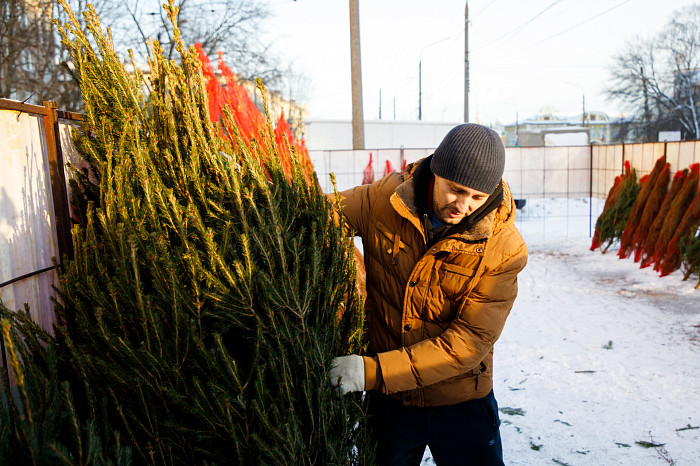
442	255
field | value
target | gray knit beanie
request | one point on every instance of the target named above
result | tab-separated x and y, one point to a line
471	155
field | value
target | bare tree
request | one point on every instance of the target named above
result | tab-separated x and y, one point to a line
30	54
34	66
658	78
233	27
296	86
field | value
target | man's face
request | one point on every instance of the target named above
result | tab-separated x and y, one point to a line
452	202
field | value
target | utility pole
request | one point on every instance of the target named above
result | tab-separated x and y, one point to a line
466	62
420	92
358	121
420	76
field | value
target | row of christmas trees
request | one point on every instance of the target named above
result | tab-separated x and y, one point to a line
656	223
210	289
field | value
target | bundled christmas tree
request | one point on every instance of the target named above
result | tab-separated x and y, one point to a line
691	218
610	223
210	287
651	209
690	253
610	201
635	216
647	254
675	214
233	97
388	168
368	174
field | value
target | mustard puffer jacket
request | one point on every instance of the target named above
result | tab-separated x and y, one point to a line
433	315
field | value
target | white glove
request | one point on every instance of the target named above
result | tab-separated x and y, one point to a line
348	373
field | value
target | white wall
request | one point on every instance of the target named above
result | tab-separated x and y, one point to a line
531	172
380	134
348	165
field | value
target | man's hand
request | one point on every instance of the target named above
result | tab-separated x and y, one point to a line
348	373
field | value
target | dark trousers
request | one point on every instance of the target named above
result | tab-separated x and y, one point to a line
462	434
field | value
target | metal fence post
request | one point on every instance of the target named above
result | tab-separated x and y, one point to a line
590	193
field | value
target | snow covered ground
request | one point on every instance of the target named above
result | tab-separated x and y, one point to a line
599	360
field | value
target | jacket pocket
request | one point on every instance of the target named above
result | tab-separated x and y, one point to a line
455	279
389	244
449	284
490	407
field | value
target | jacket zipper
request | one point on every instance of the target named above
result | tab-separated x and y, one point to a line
478	374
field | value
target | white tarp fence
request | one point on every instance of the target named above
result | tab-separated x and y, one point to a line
28	231
28	239
532	172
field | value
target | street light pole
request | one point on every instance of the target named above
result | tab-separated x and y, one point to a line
420	74
420	91
517	127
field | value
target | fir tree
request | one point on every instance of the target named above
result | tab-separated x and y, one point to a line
210	290
611	223
690	252
610	201
39	421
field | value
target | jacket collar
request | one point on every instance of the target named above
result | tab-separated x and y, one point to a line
413	195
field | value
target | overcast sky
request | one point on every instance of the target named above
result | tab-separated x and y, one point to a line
525	56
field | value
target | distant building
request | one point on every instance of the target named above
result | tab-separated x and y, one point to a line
600	127
554	136
294	112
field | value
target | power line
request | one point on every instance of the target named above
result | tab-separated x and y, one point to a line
540	67
560	32
484	9
505	37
